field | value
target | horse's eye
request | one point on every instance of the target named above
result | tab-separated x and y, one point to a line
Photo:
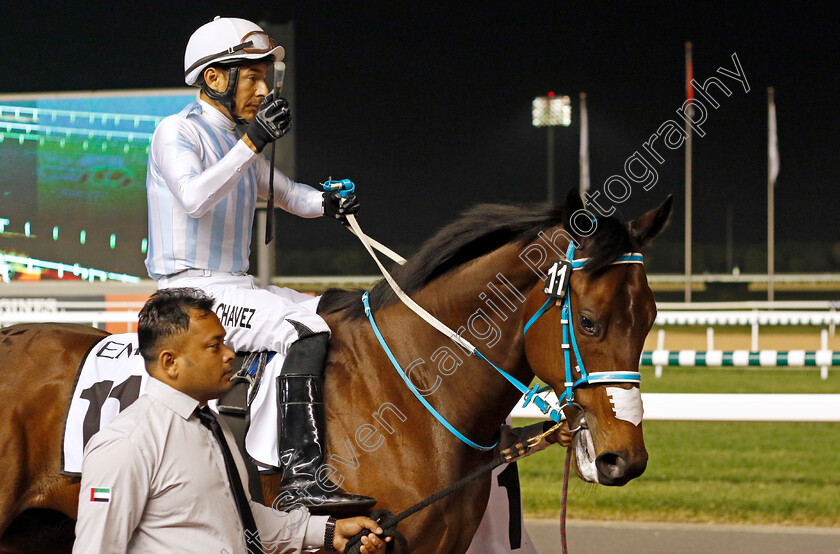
588	325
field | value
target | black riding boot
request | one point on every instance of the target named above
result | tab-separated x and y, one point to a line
302	439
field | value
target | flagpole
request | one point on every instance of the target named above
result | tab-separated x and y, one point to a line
689	70
772	171
584	146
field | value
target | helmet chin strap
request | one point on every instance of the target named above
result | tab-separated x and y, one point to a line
228	97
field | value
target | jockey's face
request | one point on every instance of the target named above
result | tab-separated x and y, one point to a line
250	90
203	360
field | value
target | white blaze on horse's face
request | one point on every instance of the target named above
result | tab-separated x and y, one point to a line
627	404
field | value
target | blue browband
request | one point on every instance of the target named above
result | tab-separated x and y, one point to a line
555	413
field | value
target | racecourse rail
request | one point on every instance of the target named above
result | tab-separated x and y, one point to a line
658	406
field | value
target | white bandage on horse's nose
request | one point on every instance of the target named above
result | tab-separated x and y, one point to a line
626	403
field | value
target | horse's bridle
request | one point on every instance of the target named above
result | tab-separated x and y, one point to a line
556	414
570	343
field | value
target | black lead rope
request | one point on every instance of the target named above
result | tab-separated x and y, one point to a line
389	521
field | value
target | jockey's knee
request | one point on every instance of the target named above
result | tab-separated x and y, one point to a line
306	356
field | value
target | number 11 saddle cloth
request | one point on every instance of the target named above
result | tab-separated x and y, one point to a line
112	376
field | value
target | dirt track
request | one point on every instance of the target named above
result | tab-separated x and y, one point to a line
593	537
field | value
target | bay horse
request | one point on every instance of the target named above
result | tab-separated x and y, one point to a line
482	275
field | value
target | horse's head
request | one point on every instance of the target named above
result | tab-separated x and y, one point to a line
611	310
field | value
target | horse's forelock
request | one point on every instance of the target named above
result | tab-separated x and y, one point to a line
610	241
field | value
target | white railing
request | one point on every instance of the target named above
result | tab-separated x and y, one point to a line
741	358
687	407
726	407
23	310
751	317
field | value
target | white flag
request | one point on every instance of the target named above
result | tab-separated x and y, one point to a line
584	145
772	139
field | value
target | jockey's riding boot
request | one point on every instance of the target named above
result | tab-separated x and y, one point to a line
301	434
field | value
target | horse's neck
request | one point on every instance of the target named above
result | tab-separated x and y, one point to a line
483	301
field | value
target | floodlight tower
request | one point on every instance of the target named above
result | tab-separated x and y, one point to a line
551	111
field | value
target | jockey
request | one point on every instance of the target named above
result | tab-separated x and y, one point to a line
203	183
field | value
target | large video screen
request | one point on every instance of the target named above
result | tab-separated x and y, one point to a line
73	182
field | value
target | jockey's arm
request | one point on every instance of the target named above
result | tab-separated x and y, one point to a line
176	153
296	198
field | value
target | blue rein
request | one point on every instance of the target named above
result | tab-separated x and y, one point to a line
530	394
410	385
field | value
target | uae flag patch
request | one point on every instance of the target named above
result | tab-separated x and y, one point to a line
100	495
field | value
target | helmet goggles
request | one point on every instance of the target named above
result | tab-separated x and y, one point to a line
255	42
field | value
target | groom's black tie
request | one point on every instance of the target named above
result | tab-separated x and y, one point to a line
252	535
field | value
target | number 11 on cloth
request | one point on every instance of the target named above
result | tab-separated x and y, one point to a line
557	282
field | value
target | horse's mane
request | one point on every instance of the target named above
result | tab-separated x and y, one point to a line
479	231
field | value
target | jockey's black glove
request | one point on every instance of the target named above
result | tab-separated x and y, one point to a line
272	122
338	207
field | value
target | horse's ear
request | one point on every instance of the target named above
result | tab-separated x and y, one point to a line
573	204
573	201
645	227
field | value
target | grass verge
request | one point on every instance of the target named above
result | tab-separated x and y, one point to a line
724	472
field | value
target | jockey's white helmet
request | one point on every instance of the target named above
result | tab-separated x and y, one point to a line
226	39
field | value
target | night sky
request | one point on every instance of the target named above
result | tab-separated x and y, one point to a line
426	105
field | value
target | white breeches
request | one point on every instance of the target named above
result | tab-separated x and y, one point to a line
255	318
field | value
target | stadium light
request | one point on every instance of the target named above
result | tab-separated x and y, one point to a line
551	111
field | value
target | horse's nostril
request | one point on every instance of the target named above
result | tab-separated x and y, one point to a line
616	468
611	465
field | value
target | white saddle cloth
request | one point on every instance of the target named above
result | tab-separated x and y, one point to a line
112	377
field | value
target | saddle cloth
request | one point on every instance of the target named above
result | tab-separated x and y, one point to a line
112	376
